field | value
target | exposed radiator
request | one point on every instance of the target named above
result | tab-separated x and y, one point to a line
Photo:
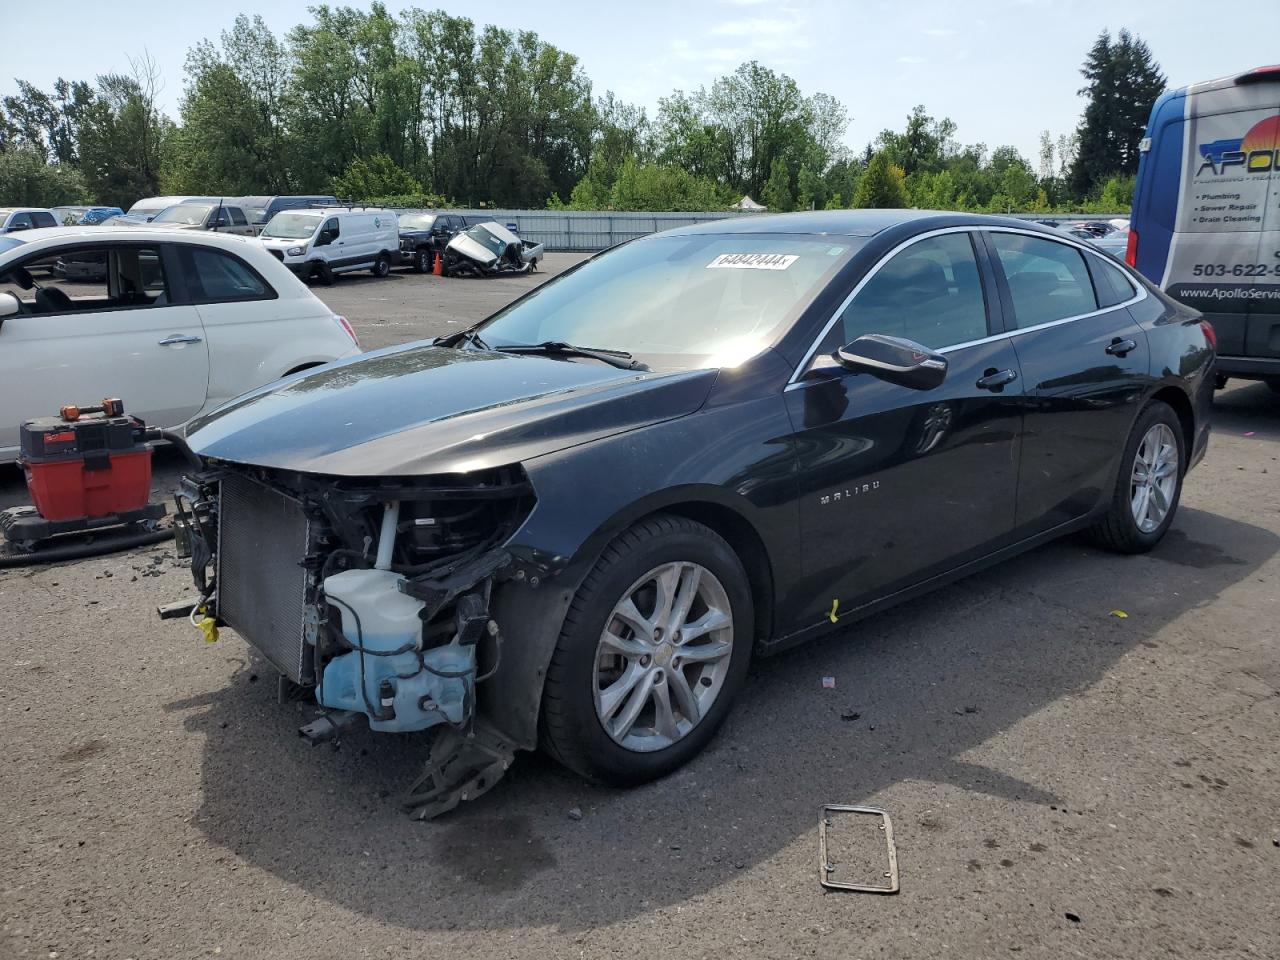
262	539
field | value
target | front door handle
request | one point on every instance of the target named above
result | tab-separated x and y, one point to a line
179	338
1120	347
997	380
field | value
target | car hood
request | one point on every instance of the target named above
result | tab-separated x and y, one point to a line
423	409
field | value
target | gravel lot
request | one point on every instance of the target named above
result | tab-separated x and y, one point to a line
1064	782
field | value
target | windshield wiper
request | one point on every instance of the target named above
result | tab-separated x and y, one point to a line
615	358
465	336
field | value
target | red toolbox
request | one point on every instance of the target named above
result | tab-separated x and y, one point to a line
86	468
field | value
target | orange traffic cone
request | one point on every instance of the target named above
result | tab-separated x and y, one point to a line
437	268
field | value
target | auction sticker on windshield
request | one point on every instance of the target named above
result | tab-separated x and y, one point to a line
753	261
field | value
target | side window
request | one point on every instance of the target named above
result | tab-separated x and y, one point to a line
88	280
20	221
43	220
332	226
1047	280
237	217
1111	284
931	293
217	277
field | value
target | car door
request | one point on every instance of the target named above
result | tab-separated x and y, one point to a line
898	484
117	333
19	221
244	318
1085	367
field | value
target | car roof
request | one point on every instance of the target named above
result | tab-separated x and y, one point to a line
31	239
848	223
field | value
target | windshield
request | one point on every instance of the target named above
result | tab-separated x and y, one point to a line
190	214
679	302
292	226
417	221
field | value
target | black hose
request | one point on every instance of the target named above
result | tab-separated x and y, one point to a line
179	441
81	550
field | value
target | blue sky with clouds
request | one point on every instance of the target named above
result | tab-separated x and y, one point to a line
1002	69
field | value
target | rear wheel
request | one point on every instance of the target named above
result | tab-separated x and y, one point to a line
382	266
653	650
1149	485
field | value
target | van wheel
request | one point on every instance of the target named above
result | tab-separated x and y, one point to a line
422	261
382	266
322	271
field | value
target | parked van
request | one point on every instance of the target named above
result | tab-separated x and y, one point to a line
336	240
1206	213
148	207
262	209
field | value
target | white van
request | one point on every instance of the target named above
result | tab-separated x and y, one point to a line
147	208
335	240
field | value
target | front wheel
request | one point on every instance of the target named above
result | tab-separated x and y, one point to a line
382	266
1274	384
653	650
422	261
1149	485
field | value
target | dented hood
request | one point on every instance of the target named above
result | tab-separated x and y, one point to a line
424	409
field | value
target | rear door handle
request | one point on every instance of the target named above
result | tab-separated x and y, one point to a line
179	338
1120	347
997	380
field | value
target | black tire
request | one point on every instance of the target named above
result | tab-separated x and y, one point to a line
1274	384
422	260
1118	531
323	272
381	266
571	731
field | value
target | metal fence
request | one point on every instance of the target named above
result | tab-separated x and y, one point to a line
591	230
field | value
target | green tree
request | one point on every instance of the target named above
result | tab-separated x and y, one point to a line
883	185
924	145
777	190
233	138
123	136
1123	81
26	179
377	176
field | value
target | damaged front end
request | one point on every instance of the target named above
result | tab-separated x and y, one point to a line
374	594
488	249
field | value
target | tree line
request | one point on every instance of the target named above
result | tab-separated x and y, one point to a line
427	108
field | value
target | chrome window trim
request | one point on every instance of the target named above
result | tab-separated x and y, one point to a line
796	375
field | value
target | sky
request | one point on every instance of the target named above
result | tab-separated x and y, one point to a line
1003	70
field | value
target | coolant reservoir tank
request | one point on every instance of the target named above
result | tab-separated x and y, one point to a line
375	614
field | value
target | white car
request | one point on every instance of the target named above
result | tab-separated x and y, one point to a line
173	323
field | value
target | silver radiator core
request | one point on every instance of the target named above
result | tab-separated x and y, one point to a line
263	537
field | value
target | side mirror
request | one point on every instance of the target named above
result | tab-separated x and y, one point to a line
19	226
894	360
9	305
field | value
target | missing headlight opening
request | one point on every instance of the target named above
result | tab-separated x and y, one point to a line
386	613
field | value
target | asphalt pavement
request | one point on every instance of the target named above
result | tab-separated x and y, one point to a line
1078	752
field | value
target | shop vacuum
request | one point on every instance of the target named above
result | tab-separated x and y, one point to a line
88	471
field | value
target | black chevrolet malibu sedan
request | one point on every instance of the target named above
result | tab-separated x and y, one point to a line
574	524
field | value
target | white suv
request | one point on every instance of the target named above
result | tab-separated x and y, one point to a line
172	323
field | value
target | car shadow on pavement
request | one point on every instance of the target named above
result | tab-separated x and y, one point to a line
928	682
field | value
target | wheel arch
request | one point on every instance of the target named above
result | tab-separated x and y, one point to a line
1181	404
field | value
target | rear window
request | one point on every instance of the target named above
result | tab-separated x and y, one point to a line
1047	280
217	277
1112	285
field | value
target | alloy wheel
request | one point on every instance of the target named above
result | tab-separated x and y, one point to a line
663	656
1155	477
